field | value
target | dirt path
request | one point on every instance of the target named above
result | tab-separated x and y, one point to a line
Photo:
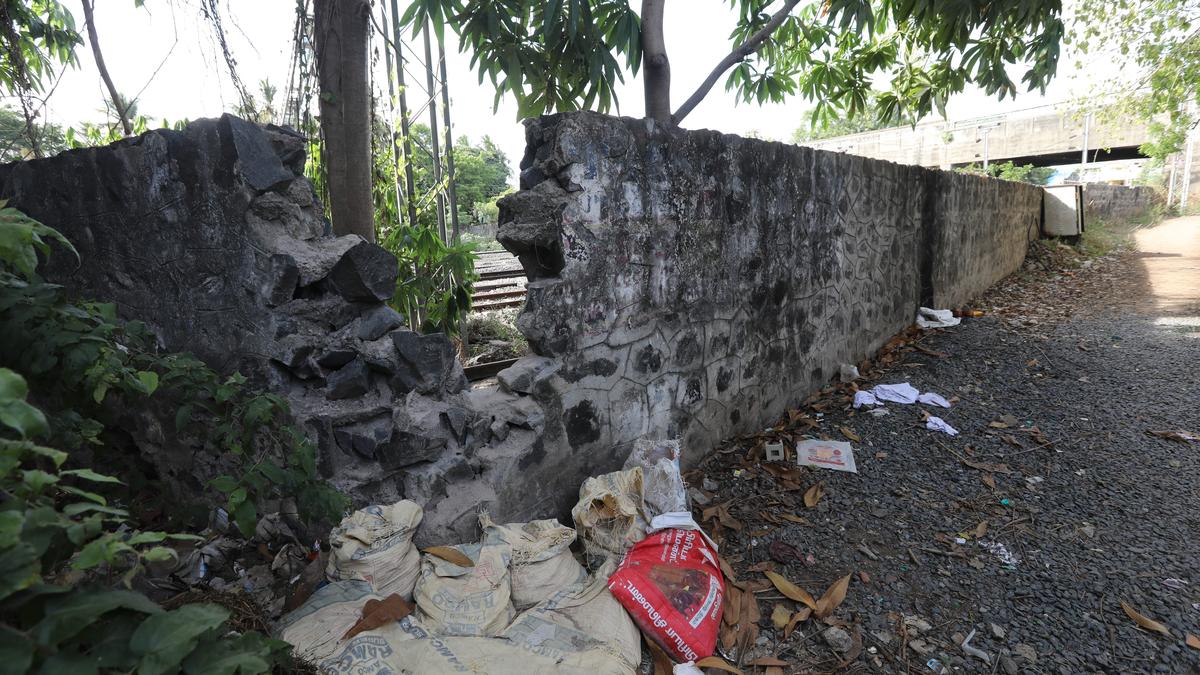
1052	506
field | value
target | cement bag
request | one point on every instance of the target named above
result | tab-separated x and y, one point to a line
579	631
316	628
375	545
467	601
671	584
542	563
610	516
663	490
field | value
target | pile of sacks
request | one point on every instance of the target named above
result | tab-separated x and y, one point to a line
523	604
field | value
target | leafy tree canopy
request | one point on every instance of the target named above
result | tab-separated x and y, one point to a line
569	54
1155	45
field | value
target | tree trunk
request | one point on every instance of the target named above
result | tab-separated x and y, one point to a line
656	67
117	103
341	30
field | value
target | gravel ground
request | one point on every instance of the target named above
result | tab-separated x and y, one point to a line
1054	406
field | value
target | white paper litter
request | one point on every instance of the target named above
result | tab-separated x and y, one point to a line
836	455
939	424
862	398
896	393
848	373
930	398
879	412
1001	551
936	318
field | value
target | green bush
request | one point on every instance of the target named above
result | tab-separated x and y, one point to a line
69	550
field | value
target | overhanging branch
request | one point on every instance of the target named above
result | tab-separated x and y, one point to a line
739	54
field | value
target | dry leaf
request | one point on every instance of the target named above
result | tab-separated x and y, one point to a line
773	670
997	425
814	494
733	605
376	613
849	433
1180	435
783	552
981	529
1145	621
791	590
793	518
802	615
864	577
881	455
781	615
767	661
988	480
750	613
718	663
1192	641
832	598
726	569
728	637
450	554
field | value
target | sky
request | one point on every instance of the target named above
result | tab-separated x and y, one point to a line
167	56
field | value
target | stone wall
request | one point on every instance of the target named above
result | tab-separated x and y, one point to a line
696	284
213	237
685	283
1119	203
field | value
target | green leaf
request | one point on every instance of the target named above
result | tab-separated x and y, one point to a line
165	640
160	554
247	654
19	569
146	538
148	380
26	420
100	551
225	484
37	480
90	496
88	474
65	617
182	417
12	386
245	515
10	528
71	510
16	650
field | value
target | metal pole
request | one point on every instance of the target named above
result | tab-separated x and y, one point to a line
1087	119
433	133
1187	173
1171	182
387	50
410	190
985	148
452	191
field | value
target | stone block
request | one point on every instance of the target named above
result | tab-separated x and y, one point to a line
349	381
365	273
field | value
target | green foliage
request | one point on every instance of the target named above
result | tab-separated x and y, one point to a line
437	280
550	55
1154	47
1028	173
36	35
65	537
562	54
88	364
480	177
54	525
14	141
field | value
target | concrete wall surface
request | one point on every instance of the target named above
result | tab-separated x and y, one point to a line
696	284
1119	203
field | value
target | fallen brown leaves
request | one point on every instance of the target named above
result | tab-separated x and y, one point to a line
1145	621
450	554
376	613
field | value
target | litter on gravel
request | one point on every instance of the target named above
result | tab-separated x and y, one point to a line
939	424
836	455
936	318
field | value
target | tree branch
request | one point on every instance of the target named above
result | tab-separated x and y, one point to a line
739	54
119	105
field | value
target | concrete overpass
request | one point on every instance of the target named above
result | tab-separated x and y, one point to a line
1042	140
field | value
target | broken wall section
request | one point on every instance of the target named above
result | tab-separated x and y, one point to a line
695	284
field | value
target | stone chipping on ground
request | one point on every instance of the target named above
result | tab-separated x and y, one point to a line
1052	507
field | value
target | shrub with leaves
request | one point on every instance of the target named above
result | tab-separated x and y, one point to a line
70	552
436	280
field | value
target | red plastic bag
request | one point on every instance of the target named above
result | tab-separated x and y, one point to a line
671	584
